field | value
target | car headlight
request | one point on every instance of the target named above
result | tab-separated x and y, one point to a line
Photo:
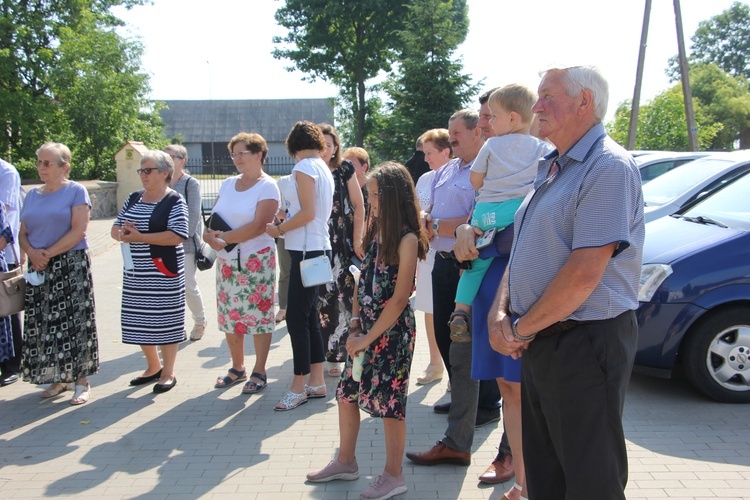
652	276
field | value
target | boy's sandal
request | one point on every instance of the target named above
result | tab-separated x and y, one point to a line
291	401
312	391
82	394
253	387
515	486
333	369
227	381
55	390
460	326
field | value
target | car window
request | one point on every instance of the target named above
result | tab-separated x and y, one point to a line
730	205
654	170
668	186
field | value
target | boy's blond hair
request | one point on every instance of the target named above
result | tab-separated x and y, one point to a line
515	97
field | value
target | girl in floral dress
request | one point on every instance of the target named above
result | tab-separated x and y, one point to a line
384	319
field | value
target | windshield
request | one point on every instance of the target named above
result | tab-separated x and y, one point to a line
729	205
668	186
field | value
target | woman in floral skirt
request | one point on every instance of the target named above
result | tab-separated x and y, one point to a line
246	273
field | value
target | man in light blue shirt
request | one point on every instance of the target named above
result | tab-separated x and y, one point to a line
566	303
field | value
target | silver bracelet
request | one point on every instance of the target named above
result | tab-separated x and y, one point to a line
518	336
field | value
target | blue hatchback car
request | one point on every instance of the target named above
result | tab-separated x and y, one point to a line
694	294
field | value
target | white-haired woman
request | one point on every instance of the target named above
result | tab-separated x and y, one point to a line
154	222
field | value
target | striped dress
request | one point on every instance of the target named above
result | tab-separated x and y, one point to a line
153	304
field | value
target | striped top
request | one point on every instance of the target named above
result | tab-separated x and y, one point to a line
593	200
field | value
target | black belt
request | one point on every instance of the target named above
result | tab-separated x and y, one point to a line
446	255
559	327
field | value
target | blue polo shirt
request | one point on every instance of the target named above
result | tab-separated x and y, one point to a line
593	200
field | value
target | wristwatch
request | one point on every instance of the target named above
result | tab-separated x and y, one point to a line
518	336
278	226
435	225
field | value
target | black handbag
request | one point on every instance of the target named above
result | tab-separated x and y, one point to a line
204	256
216	223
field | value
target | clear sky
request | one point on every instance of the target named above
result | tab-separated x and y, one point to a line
196	49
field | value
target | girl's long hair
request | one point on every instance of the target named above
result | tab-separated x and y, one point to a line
398	209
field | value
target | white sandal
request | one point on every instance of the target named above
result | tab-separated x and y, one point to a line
287	402
515	486
312	391
82	394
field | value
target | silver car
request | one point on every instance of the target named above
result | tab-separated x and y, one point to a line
673	190
652	165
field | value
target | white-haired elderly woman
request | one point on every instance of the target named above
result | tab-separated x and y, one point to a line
154	224
60	346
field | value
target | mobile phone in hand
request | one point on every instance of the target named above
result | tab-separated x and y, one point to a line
486	238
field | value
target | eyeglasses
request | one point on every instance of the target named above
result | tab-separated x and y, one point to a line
45	164
175	157
240	154
146	171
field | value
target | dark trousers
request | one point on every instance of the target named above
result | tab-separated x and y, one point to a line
302	319
445	278
13	365
572	394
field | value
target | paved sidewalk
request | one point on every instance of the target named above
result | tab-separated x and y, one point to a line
196	441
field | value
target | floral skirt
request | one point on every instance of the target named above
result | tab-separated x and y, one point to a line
382	390
244	299
61	343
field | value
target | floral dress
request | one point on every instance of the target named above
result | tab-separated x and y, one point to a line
381	392
335	299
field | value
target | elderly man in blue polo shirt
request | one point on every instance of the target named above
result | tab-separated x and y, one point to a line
567	300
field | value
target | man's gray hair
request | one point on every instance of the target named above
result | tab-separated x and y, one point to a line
469	116
162	161
578	78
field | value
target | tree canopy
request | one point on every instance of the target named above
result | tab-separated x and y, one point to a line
347	42
67	76
725	40
429	84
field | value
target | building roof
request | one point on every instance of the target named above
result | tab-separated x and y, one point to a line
219	121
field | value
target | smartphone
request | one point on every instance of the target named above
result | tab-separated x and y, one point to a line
486	238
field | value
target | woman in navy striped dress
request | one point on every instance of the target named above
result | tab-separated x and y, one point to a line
152	226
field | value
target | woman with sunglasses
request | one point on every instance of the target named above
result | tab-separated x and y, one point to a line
60	345
152	226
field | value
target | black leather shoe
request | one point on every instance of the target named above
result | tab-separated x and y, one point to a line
8	379
160	388
485	416
442	408
146	380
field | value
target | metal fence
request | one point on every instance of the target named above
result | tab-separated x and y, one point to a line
211	172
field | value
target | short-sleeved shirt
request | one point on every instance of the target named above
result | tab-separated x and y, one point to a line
316	237
452	197
509	163
10	195
237	208
48	217
595	199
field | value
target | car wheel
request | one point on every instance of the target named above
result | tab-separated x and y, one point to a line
716	356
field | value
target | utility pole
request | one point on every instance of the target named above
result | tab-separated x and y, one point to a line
685	74
635	107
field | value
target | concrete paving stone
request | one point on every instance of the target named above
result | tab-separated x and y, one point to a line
646	493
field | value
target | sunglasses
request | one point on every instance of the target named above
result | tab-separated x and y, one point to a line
146	171
45	164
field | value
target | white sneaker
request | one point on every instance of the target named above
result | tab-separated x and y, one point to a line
198	330
384	486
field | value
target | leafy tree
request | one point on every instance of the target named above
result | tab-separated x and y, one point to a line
102	94
725	40
430	84
662	123
65	75
724	99
347	42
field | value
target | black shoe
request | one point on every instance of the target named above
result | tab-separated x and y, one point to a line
442	408
485	416
160	388
146	380
8	379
